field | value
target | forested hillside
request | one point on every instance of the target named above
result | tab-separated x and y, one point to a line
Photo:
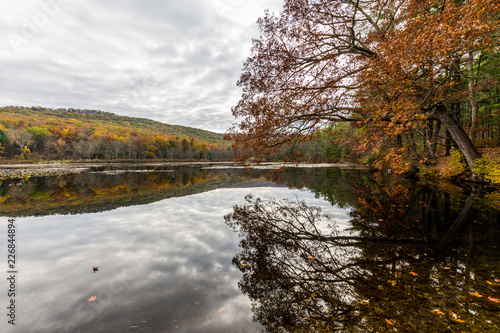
37	133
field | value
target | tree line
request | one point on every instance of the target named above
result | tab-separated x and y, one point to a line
46	134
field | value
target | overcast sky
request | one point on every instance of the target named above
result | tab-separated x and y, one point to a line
175	61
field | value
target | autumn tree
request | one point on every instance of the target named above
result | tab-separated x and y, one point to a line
386	65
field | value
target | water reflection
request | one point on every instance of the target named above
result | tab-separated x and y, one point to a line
107	188
390	255
415	260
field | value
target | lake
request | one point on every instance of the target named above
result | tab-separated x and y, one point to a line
218	248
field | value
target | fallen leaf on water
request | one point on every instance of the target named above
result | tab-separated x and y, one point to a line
313	295
134	326
476	294
493	299
488	282
364	302
92	298
222	309
245	264
438	311
389	322
458	320
311	258
413	273
392	282
446	268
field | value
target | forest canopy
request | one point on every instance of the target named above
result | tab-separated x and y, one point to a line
36	133
408	75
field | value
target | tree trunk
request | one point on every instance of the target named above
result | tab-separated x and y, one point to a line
458	134
472	96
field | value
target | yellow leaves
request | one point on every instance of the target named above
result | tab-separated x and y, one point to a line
314	295
92	298
389	322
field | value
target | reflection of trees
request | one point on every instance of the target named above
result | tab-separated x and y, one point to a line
108	189
303	275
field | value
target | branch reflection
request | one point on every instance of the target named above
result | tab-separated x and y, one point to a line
303	274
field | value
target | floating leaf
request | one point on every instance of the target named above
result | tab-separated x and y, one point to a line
313	295
476	294
493	299
389	322
446	267
245	264
92	298
312	257
438	311
364	302
222	309
490	283
413	273
393	282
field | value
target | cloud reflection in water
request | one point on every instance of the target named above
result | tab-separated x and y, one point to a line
162	266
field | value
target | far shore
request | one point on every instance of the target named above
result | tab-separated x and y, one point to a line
54	168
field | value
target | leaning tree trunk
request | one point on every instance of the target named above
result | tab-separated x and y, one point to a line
458	134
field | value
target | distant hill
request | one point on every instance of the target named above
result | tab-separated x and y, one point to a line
75	133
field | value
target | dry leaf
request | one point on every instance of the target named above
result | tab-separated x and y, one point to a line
92	298
446	267
364	302
493	299
389	322
413	273
222	309
313	295
393	282
438	311
476	294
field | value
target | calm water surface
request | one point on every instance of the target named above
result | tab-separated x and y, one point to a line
391	256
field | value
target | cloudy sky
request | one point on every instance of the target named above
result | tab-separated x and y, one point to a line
175	61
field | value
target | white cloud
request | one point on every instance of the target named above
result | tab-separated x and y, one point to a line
172	61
